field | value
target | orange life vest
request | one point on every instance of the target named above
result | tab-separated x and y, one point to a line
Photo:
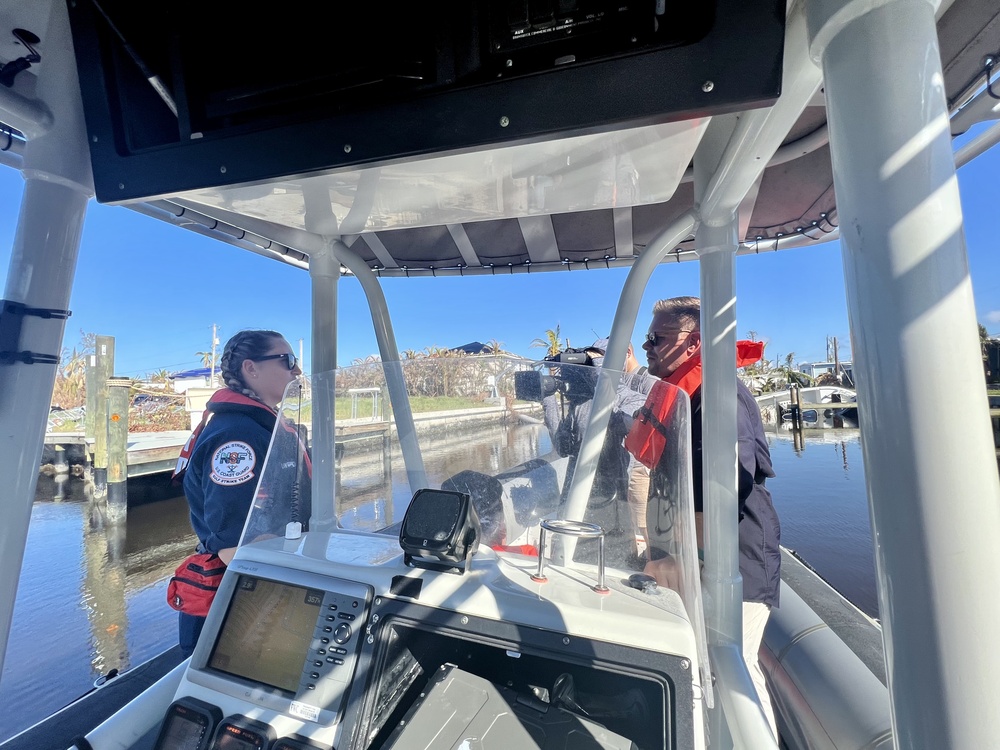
647	438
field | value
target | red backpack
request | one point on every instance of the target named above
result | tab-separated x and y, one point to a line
193	585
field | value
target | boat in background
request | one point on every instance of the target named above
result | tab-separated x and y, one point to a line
817	404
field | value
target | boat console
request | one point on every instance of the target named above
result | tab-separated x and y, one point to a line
486	612
290	636
352	663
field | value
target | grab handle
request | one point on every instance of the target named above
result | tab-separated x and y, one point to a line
577	529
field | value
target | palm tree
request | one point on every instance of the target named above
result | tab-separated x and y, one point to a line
550	343
206	358
161	377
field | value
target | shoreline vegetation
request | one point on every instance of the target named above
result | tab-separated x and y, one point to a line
437	379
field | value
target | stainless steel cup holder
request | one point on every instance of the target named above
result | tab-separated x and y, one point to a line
577	529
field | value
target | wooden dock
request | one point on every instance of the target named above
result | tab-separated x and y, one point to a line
147	452
155	452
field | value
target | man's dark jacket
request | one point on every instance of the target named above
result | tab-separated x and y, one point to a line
760	530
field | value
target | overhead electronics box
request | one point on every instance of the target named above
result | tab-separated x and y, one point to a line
190	95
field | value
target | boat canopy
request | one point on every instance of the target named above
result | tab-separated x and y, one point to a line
494	144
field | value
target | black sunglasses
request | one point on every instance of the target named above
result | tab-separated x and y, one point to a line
654	339
290	360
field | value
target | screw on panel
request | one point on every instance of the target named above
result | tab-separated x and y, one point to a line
222	169
565	640
371	639
504	121
707	86
93	138
121	185
685	664
510	63
347	148
378	601
465	620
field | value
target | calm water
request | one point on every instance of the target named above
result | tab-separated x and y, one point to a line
92	599
820	496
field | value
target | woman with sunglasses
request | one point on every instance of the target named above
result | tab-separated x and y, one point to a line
222	460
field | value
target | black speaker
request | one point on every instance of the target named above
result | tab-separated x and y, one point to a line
440	530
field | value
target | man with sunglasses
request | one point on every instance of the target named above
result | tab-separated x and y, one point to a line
673	353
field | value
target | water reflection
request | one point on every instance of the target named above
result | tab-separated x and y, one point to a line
822	501
372	499
103	595
91	597
812	421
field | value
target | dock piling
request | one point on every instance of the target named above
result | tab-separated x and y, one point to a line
117	431
60	463
796	406
104	365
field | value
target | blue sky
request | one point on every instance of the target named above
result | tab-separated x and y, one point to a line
158	289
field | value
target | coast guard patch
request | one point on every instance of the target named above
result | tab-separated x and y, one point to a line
233	463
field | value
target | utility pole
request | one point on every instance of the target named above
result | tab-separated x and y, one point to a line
215	343
836	360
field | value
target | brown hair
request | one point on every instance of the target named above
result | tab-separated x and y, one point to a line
686	310
241	347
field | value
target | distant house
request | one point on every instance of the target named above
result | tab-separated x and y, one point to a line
198	378
815	369
476	347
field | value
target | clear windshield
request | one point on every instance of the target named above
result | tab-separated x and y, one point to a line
527	442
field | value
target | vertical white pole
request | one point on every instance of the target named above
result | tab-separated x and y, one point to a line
721	578
719	435
43	262
717	242
324	271
931	470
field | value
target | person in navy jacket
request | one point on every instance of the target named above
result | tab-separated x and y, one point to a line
222	460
